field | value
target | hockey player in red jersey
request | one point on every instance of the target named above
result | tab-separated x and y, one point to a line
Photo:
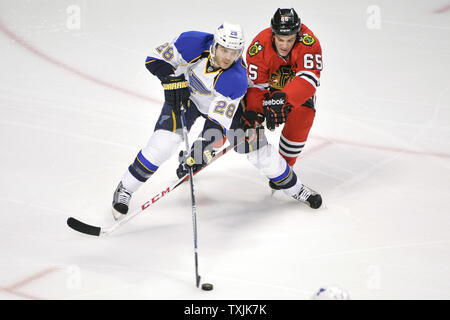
284	64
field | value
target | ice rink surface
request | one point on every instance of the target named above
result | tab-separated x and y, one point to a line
77	104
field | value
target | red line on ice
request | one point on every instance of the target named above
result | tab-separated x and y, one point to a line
13	288
443	9
324	144
70	69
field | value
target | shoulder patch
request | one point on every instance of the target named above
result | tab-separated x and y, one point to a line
307	39
255	48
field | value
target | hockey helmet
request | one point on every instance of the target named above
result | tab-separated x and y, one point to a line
285	22
229	36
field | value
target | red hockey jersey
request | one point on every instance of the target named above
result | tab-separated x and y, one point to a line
298	76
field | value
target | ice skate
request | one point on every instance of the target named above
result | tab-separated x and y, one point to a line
308	196
273	187
121	200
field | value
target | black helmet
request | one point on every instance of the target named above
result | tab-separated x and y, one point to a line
285	22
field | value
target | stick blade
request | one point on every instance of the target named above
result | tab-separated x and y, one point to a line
82	227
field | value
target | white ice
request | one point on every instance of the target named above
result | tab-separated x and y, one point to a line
77	104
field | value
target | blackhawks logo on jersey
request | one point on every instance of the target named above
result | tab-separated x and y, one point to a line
254	49
307	40
281	77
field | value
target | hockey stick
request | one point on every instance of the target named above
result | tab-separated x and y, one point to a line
85	228
194	206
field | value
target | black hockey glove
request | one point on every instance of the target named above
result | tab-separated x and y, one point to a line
251	120
276	109
176	91
200	155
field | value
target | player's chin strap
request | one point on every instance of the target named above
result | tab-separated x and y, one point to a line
191	180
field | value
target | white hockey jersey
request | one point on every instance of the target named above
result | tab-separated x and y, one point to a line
215	93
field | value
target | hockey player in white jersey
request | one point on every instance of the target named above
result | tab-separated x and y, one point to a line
204	73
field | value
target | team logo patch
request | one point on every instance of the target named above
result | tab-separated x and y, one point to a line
307	40
196	85
281	77
254	49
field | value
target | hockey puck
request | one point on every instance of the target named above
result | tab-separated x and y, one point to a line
207	286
